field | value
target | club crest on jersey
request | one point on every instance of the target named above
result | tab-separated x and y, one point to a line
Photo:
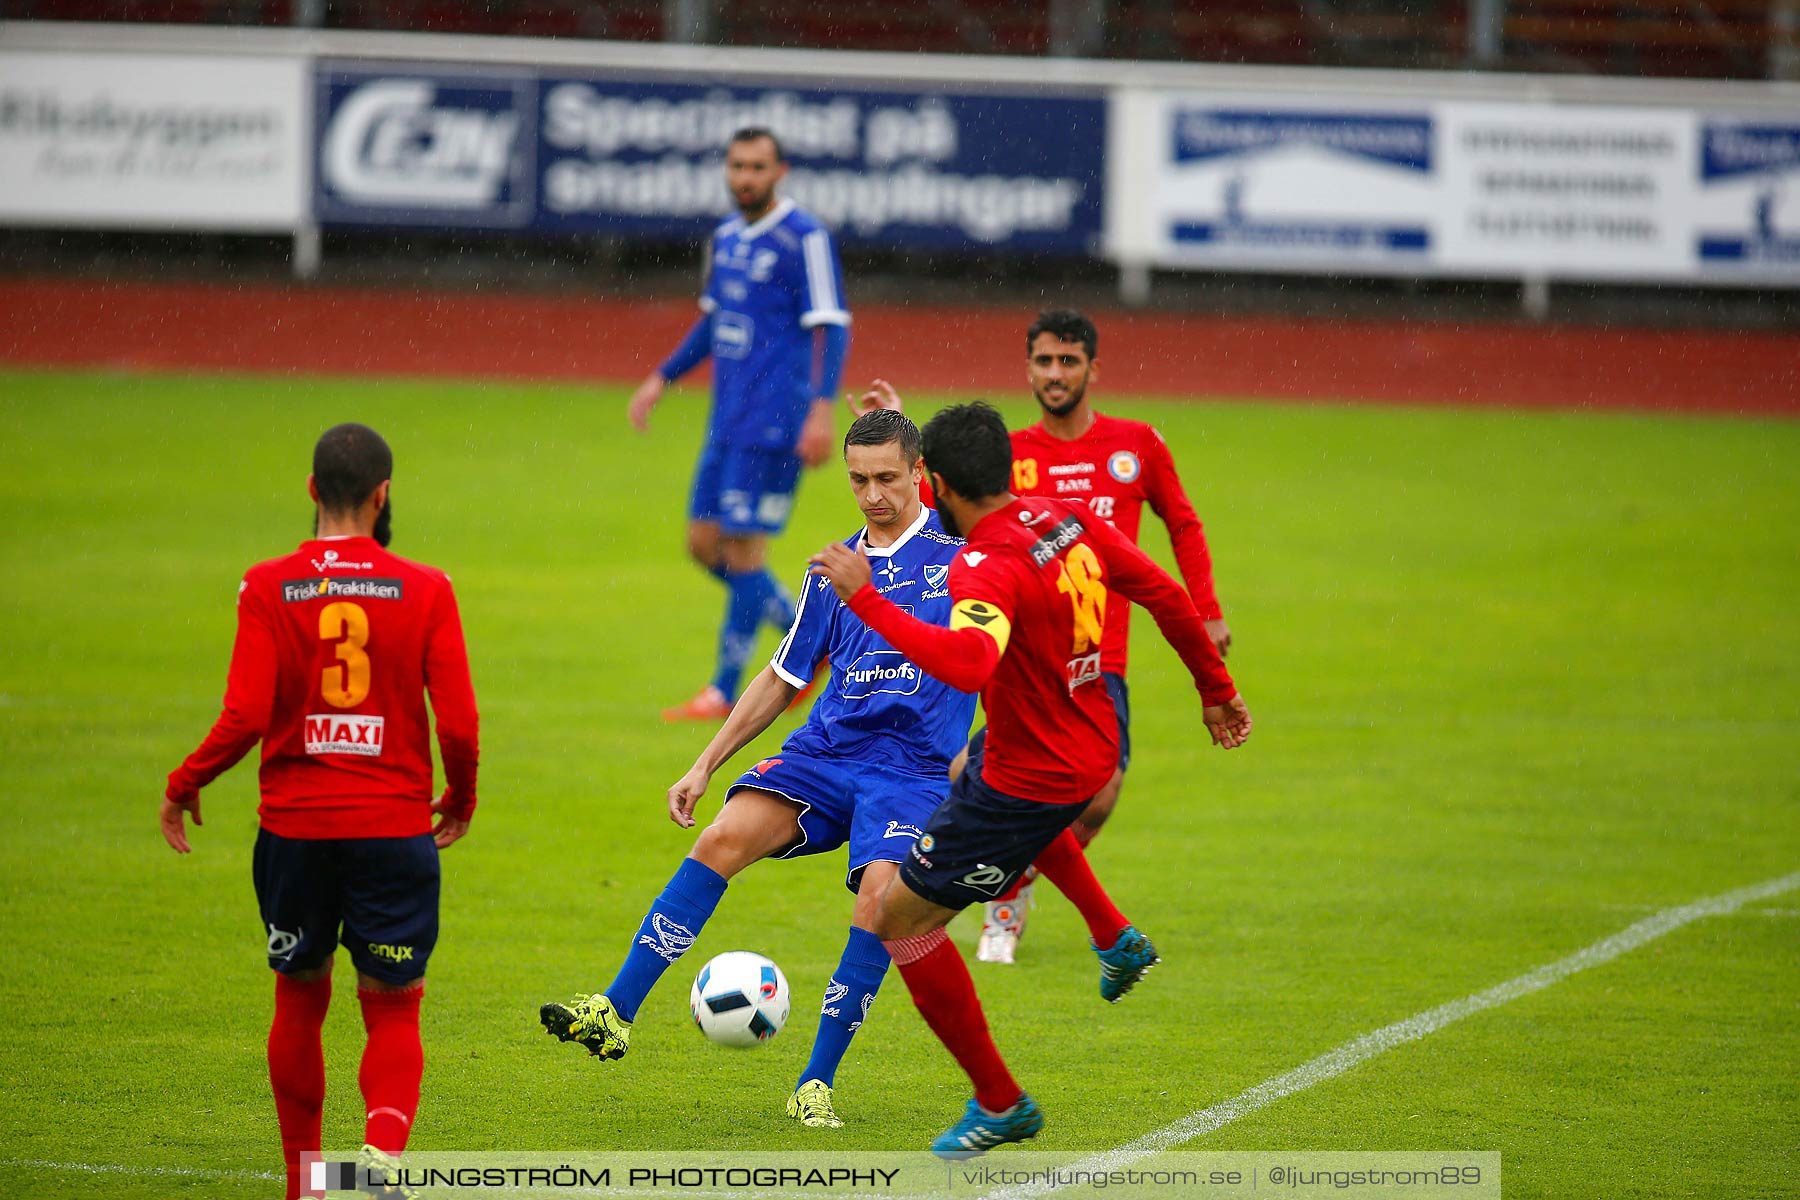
935	577
1124	466
666	938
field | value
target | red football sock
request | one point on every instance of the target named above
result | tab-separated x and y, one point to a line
297	1067
939	981
1063	864
392	1065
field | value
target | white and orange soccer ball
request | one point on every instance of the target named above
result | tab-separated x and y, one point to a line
740	999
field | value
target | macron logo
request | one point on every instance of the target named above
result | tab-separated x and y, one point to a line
974	558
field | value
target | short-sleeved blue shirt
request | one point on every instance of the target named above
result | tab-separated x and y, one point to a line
878	709
768	284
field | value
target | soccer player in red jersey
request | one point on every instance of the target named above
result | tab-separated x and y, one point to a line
338	645
1033	593
1113	466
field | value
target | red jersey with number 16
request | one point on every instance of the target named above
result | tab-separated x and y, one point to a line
338	645
1040	577
1116	468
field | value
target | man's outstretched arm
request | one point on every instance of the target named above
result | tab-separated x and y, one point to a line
767	697
1134	575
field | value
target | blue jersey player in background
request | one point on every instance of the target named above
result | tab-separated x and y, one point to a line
867	768
774	323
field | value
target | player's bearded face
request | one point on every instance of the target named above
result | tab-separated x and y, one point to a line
751	172
946	518
384	524
1059	373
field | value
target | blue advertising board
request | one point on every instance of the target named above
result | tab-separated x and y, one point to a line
1750	196
562	154
425	148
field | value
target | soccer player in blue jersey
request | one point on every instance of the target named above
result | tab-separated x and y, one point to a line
867	768
774	323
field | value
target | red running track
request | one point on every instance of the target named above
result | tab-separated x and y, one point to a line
331	331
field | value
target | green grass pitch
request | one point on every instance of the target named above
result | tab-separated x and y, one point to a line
1520	680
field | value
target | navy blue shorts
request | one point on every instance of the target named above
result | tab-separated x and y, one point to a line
745	489
979	841
379	896
1121	698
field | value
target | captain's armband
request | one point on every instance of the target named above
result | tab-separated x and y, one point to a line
979	614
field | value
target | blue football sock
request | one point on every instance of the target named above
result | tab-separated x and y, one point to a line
669	928
778	606
737	637
847	998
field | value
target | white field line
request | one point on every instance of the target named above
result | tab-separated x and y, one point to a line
1198	1124
1359	1050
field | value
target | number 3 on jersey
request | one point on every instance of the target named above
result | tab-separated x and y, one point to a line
345	683
1079	578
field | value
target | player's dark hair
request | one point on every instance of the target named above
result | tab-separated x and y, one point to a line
1065	325
349	463
884	425
969	446
751	133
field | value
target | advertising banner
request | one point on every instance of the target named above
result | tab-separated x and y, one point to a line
153	141
1323	185
425	148
1748	219
1565	191
605	156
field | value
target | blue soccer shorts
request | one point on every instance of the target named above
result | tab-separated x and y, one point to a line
879	812
378	896
744	489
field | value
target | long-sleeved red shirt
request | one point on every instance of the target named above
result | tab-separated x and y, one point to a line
338	645
1114	469
1044	573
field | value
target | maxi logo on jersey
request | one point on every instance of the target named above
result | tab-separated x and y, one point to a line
877	671
295	591
327	733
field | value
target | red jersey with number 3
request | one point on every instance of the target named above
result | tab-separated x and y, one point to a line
1052	579
1114	469
338	646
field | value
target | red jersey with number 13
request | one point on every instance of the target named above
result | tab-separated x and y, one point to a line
338	645
1114	469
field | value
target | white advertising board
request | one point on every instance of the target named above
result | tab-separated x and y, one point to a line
1590	192
1241	182
153	141
1451	188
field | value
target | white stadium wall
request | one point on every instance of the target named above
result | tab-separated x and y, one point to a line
1144	164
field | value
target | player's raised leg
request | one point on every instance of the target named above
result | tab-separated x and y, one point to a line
1125	954
752	825
845	1007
